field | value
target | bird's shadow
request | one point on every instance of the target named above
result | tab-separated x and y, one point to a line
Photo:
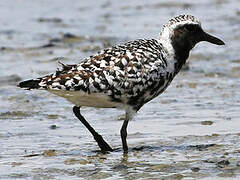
145	148
199	147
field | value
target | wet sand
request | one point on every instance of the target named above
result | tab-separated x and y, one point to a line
192	131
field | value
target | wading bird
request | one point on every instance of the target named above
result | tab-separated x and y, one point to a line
125	76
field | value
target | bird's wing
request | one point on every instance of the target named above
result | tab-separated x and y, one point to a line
124	70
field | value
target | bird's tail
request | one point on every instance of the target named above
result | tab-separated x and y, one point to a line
30	84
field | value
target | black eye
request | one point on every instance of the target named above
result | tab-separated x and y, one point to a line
191	28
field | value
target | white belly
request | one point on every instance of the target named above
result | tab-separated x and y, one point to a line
90	100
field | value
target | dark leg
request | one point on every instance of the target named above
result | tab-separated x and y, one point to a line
124	135
129	115
98	138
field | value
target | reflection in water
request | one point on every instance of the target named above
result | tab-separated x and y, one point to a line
124	158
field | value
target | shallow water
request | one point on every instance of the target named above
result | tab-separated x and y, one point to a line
189	132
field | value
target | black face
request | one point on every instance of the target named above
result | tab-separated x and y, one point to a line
190	34
185	37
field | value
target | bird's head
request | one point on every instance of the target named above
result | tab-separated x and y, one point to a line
184	32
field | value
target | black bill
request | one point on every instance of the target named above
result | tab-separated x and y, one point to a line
209	38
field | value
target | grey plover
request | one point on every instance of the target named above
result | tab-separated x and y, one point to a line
125	76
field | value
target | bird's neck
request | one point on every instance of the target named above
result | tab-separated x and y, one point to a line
181	47
181	52
177	48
